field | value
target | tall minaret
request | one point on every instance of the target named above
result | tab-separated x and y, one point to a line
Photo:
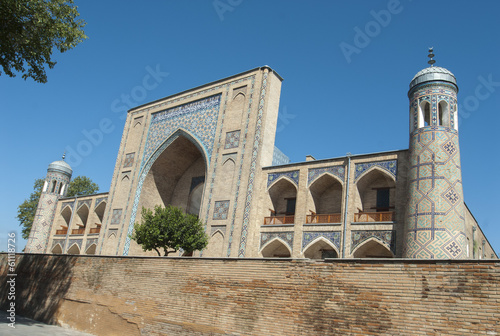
55	186
435	222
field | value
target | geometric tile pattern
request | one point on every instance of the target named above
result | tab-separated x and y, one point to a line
292	175
386	237
90	242
86	202
116	217
232	139
331	236
435	224
221	209
99	200
78	242
279	158
253	167
129	160
39	234
287	237
199	118
338	171
389	166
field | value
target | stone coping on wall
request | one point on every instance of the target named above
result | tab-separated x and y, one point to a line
306	260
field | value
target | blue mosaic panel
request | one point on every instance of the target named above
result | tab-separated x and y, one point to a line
390	166
99	200
199	118
65	204
221	209
331	236
58	241
86	202
292	175
117	216
129	160
78	242
313	174
279	158
386	237
266	237
90	242
232	139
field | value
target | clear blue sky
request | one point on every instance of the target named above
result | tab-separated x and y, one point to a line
330	104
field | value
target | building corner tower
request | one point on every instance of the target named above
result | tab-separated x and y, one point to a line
55	186
435	218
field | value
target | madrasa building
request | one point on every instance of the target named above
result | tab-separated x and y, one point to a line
210	150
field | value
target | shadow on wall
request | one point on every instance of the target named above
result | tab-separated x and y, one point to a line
41	284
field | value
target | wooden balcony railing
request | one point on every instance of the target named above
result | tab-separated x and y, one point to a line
78	231
61	232
277	220
95	230
323	218
386	216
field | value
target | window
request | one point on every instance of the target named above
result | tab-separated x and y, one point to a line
383	199
290	206
427	114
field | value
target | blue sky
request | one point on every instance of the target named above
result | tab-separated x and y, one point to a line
342	91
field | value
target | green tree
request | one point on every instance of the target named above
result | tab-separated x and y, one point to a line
171	229
26	211
81	186
30	30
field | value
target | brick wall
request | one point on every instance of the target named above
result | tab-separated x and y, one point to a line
176	296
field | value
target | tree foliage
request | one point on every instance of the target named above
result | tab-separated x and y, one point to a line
26	211
171	229
30	30
81	186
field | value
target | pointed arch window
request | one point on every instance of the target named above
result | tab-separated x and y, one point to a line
426	113
54	183
444	113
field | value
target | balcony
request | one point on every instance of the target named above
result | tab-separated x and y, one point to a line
323	218
95	230
365	217
77	231
279	220
62	231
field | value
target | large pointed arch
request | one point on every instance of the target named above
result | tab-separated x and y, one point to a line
320	248
91	249
281	198
74	249
57	249
276	248
372	248
325	201
375	196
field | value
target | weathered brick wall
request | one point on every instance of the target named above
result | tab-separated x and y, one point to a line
174	296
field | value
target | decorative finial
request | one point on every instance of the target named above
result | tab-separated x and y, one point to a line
431	55
64	156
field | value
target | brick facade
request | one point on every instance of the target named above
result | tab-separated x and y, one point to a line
192	296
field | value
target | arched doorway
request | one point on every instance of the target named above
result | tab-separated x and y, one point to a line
276	249
320	249
372	248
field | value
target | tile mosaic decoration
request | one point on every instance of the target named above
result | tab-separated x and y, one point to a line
314	173
331	236
90	242
87	202
99	200
199	118
253	167
279	158
39	234
58	241
221	209
78	242
117	216
435	224
266	237
390	166
129	160
292	175
386	237
65	204
232	139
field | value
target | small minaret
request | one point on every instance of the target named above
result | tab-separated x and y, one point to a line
55	186
435	222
